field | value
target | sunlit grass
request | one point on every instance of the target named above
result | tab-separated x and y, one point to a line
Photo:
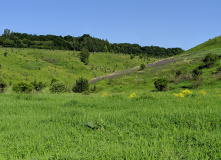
152	125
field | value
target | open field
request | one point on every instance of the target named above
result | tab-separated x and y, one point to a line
147	125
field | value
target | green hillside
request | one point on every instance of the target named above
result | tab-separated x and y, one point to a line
184	64
210	44
42	65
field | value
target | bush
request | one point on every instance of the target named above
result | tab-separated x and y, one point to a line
84	56
38	86
81	85
57	87
25	87
142	66
161	84
178	73
196	73
210	60
53	80
3	85
132	56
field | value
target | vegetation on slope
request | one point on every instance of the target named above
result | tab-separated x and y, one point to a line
24	40
210	44
42	65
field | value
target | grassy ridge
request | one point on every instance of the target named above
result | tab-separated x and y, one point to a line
210	44
30	64
111	126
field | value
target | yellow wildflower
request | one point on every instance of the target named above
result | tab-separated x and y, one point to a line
202	92
186	92
179	95
104	94
132	95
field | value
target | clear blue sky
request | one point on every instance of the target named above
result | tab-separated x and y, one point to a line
164	23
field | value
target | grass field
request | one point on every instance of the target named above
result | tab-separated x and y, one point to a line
147	125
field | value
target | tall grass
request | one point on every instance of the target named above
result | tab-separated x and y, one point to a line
147	126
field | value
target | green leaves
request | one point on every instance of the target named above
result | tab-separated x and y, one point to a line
84	56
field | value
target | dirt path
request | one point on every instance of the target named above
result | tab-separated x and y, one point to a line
128	71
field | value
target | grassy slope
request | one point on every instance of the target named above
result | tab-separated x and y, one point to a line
144	80
30	64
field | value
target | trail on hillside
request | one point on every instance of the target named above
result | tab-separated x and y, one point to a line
129	71
132	70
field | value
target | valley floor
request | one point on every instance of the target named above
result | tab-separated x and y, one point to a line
148	125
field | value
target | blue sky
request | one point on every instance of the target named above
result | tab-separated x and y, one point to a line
164	23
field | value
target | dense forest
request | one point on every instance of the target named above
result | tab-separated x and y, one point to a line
24	40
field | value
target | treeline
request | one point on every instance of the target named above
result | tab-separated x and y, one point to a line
24	40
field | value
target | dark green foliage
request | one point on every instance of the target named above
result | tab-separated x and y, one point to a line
57	87
132	56
84	56
210	60
38	86
178	73
5	54
25	87
196	73
81	85
142	66
3	85
24	40
53	80
161	84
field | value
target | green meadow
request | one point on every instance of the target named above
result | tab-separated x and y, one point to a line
147	125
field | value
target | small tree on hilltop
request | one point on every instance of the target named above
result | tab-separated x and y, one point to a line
84	56
81	85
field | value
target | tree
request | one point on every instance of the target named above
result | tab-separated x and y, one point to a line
81	85
84	56
161	84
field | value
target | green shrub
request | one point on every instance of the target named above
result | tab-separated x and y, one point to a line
25	87
38	86
53	80
57	87
81	85
196	73
142	66
178	73
84	56
210	60
161	84
3	85
132	56
5	54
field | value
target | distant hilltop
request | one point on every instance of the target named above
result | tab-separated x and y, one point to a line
24	40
